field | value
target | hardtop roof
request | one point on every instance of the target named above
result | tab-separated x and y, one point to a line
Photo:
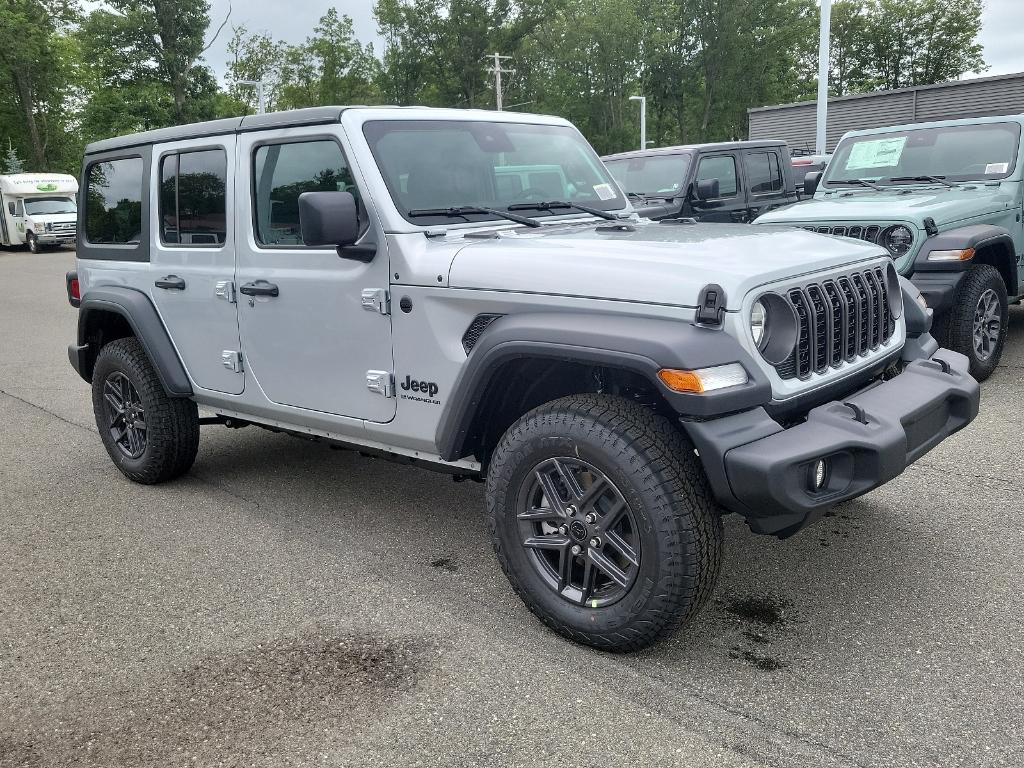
681	148
295	118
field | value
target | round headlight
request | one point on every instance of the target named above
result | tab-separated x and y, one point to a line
773	327
896	240
758	321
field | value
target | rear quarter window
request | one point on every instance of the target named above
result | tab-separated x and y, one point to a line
113	201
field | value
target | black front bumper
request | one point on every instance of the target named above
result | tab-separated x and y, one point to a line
765	472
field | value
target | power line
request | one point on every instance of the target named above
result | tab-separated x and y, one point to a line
497	70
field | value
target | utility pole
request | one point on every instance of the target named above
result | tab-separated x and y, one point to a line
260	87
823	61
497	70
643	119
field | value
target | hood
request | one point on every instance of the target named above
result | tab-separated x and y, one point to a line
943	204
52	218
664	263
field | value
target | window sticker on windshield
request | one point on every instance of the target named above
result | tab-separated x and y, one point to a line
997	167
880	153
604	191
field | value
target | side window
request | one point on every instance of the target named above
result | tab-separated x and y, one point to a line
763	173
113	201
723	168
193	201
282	173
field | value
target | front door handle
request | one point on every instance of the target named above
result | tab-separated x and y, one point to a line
259	288
171	283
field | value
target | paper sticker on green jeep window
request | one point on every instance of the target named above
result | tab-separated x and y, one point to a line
879	153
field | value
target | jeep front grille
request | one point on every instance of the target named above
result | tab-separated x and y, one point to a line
838	320
868	232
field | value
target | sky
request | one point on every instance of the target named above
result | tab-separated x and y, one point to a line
1002	23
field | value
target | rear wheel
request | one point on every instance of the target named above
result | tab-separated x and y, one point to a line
976	324
149	436
603	521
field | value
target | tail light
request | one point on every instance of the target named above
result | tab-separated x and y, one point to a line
74	289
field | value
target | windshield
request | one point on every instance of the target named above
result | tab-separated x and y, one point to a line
651	176
955	153
429	165
35	206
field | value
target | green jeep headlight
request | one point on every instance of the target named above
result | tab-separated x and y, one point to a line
897	240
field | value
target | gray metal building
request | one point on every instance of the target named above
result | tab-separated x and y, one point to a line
794	123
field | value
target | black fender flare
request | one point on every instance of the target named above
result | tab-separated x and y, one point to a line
976	236
135	307
641	345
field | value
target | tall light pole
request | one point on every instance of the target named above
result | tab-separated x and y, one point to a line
498	72
260	87
643	119
823	57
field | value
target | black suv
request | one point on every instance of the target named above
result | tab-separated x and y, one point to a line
728	181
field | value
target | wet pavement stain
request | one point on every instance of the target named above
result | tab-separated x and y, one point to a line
240	708
766	663
763	609
445	564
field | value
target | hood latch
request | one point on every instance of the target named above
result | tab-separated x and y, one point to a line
710	304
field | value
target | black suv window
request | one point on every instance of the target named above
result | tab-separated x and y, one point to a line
763	173
285	171
723	168
113	201
193	201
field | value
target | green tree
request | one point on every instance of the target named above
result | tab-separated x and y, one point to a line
145	58
255	56
36	73
12	163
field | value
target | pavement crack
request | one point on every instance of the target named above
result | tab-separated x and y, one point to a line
46	411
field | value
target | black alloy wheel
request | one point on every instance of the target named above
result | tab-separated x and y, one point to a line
580	533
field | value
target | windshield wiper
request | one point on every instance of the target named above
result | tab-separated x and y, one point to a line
861	182
552	205
462	210
935	179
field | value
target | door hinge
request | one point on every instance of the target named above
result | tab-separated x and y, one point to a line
231	360
381	382
377	300
226	290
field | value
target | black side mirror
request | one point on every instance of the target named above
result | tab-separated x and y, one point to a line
328	218
707	189
811	182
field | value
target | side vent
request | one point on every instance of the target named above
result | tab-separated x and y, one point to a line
476	330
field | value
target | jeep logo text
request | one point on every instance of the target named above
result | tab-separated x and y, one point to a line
429	388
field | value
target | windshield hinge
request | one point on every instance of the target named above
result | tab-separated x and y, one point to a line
376	300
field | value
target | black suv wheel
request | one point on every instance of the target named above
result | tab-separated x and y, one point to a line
976	324
603	521
150	437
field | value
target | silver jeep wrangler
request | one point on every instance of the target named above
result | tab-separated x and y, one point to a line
471	292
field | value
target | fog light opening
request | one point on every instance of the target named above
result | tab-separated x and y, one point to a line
819	475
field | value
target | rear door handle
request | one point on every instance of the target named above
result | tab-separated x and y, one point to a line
171	283
259	288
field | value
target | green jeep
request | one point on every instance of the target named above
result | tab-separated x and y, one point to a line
945	199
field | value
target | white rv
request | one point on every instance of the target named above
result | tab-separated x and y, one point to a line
39	210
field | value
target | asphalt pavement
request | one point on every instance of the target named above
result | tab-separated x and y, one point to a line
289	604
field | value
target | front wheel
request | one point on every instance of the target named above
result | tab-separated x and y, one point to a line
33	243
603	521
976	324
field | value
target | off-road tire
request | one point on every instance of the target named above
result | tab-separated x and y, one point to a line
653	465
33	243
172	424
955	328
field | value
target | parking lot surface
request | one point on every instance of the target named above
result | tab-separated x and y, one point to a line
289	604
